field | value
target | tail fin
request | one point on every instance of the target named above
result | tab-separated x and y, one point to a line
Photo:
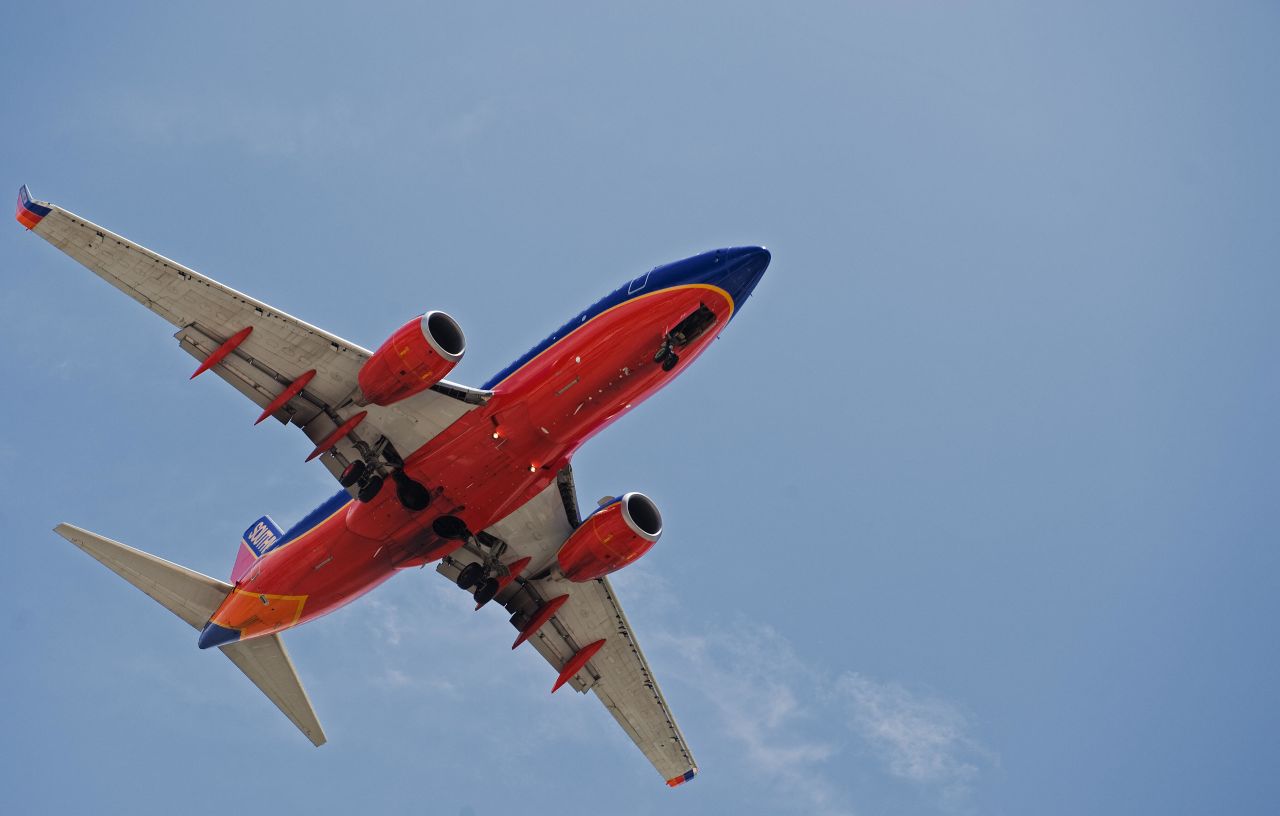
194	598
262	535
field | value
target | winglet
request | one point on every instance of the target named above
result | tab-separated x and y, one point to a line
29	211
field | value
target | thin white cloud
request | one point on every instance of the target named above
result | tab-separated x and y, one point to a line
384	619
804	729
761	709
921	739
791	727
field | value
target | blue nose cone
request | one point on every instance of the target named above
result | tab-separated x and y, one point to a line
740	270
214	635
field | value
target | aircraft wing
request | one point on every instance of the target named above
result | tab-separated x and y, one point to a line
279	349
618	673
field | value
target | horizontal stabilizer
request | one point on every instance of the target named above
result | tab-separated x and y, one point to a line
194	598
265	661
186	593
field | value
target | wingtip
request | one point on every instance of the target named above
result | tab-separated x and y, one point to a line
29	211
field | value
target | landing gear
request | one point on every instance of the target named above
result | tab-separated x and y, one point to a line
370	489
411	494
471	575
666	356
353	473
368	473
485	577
391	456
686	331
486	591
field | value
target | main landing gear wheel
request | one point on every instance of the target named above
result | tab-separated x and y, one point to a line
486	591
411	494
352	473
669	361
370	489
471	575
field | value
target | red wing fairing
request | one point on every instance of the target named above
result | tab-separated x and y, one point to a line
478	480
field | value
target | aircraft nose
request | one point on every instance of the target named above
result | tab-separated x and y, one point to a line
743	268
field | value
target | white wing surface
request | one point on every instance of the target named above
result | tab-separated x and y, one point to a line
618	674
186	593
279	349
194	598
265	661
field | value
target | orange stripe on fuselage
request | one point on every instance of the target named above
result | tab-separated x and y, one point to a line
247	612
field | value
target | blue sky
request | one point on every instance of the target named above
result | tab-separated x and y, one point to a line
972	511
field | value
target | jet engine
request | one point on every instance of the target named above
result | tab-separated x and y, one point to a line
416	357
612	537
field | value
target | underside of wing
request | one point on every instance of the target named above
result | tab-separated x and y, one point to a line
257	348
184	592
266	662
585	614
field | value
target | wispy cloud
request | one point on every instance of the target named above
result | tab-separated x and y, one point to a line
760	709
781	707
790	725
803	727
920	738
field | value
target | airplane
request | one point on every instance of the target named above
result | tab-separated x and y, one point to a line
477	481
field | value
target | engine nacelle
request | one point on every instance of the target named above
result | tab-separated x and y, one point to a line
614	536
416	357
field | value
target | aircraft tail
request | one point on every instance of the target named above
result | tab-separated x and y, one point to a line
261	536
194	598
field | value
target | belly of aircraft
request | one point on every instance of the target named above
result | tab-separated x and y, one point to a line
483	467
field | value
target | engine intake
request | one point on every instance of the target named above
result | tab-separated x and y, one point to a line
612	537
416	357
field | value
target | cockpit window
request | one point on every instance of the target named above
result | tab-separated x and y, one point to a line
639	283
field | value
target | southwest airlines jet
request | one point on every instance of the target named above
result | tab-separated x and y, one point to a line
476	481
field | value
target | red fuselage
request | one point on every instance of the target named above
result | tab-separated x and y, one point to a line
494	458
